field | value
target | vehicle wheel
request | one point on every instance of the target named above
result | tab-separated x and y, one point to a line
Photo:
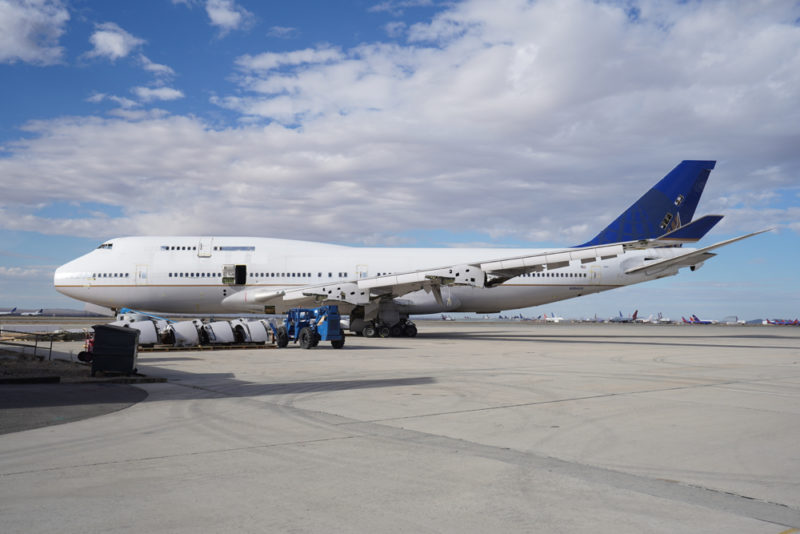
383	331
282	338
369	331
314	340
337	343
396	330
306	338
411	330
85	356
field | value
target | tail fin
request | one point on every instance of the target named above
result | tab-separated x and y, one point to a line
635	315
667	206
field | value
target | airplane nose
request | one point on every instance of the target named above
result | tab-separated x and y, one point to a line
69	277
60	277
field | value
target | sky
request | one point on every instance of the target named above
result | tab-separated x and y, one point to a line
401	123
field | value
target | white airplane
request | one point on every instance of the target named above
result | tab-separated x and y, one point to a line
11	312
379	288
622	319
552	318
33	313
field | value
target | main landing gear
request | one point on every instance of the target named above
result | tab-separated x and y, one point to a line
403	328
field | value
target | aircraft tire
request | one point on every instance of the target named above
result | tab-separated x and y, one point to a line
383	331
369	331
411	330
306	338
337	343
396	330
282	339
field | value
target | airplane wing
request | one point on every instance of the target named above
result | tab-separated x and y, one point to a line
363	291
369	291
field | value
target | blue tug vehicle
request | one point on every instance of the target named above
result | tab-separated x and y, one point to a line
310	326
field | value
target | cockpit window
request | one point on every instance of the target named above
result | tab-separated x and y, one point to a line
106	245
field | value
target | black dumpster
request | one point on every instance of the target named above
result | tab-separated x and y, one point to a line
115	349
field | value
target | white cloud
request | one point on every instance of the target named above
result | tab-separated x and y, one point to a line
30	31
395	29
112	42
537	122
25	272
159	70
123	102
228	16
397	7
283	32
273	60
148	94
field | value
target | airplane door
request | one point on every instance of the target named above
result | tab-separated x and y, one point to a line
141	275
595	273
204	247
362	271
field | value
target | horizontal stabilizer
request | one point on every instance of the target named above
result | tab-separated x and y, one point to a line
694	231
690	257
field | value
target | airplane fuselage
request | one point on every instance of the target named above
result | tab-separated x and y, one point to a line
195	274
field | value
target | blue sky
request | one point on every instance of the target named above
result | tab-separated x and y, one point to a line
401	123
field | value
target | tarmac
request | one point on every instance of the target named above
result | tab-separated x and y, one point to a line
470	427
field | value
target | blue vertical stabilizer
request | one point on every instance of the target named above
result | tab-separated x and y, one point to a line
667	206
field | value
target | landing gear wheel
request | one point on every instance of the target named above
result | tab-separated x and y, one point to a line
411	330
337	343
383	331
369	331
396	330
306	338
282	339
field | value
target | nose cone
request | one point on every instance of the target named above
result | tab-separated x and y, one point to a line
70	278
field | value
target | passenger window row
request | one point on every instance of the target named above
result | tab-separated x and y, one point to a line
555	275
110	275
252	275
247	248
293	275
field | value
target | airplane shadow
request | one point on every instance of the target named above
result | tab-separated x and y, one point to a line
243	389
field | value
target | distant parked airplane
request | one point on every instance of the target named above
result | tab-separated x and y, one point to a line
695	320
621	319
34	313
9	312
553	318
662	319
784	322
